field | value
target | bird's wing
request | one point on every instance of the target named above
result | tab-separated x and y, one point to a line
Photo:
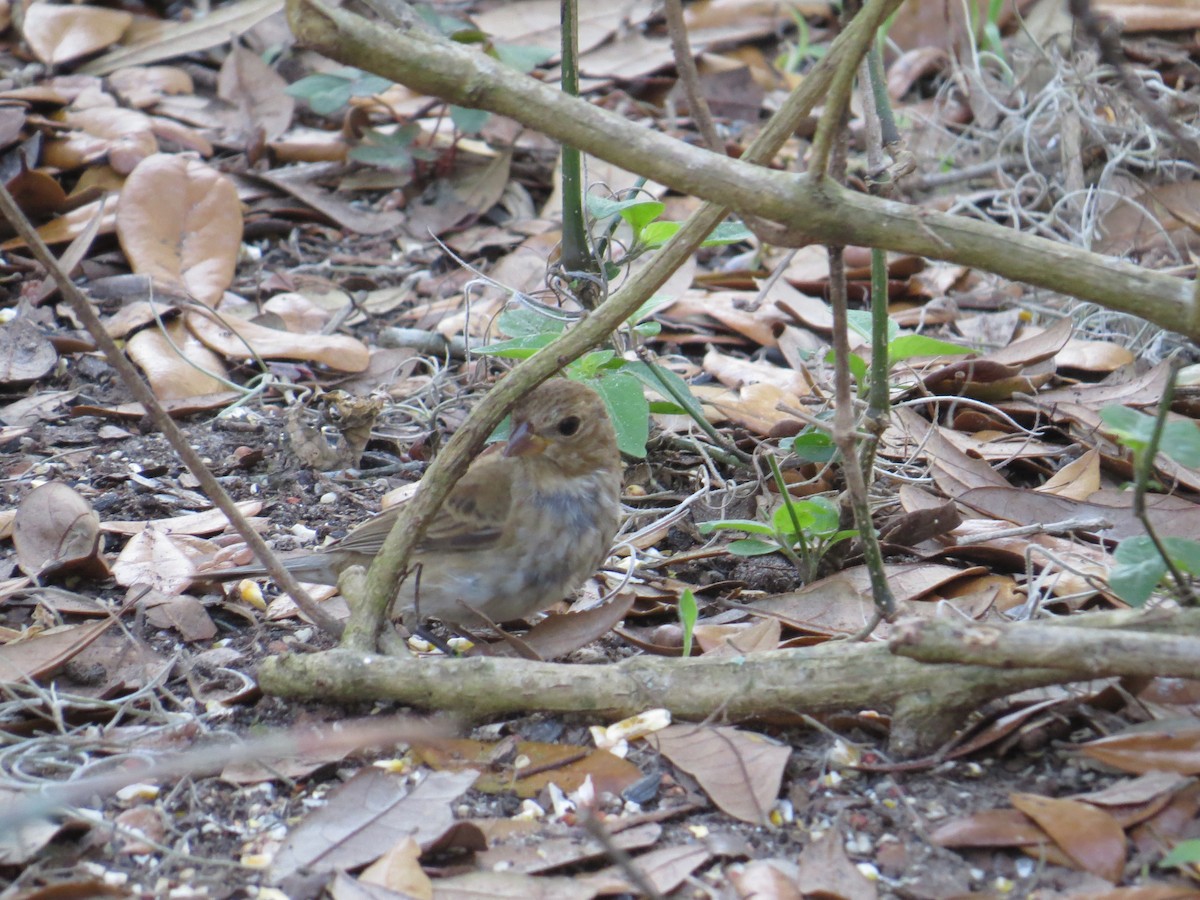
472	517
474	514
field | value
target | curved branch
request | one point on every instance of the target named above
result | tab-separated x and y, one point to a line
467	77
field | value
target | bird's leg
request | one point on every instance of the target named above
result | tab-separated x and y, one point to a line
522	649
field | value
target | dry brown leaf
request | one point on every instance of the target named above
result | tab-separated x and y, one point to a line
317	756
740	771
736	372
1176	750
367	814
180	222
549	851
297	312
1077	480
763	878
237	339
562	764
56	529
155	41
665	868
536	22
755	407
738	639
259	93
165	562
1174	516
1089	836
1094	357
989	828
57	34
39	194
826	871
142	86
71	225
175	363
123	137
558	635
516	886
843	604
207	522
737	311
184	614
400	870
26	354
39	655
299	181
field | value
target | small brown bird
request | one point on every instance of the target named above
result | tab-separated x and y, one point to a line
526	525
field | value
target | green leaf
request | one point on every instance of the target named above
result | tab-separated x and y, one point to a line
1181	442
590	364
469	121
688	614
1138	570
442	24
860	321
629	410
1184	553
658	233
521	321
391	150
641	214
750	526
858	368
728	233
369	85
600	207
523	59
650	307
826	517
814	446
325	93
648	329
462	33
384	156
799	516
649	378
909	345
1132	428
517	348
1185	853
751	547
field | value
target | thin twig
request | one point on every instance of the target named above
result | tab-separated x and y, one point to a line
685	66
172	432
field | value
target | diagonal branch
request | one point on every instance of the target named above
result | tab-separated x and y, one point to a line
831	214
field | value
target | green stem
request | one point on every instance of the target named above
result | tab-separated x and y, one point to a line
577	257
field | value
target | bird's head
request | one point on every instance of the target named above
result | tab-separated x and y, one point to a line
566	423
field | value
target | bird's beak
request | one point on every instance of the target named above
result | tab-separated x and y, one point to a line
524	442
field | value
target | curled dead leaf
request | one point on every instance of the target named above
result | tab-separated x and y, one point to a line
175	363
55	529
237	338
57	34
180	222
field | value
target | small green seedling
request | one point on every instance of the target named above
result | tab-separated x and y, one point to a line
688	614
1139	567
802	530
641	215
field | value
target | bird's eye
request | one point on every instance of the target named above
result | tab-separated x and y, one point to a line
568	426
